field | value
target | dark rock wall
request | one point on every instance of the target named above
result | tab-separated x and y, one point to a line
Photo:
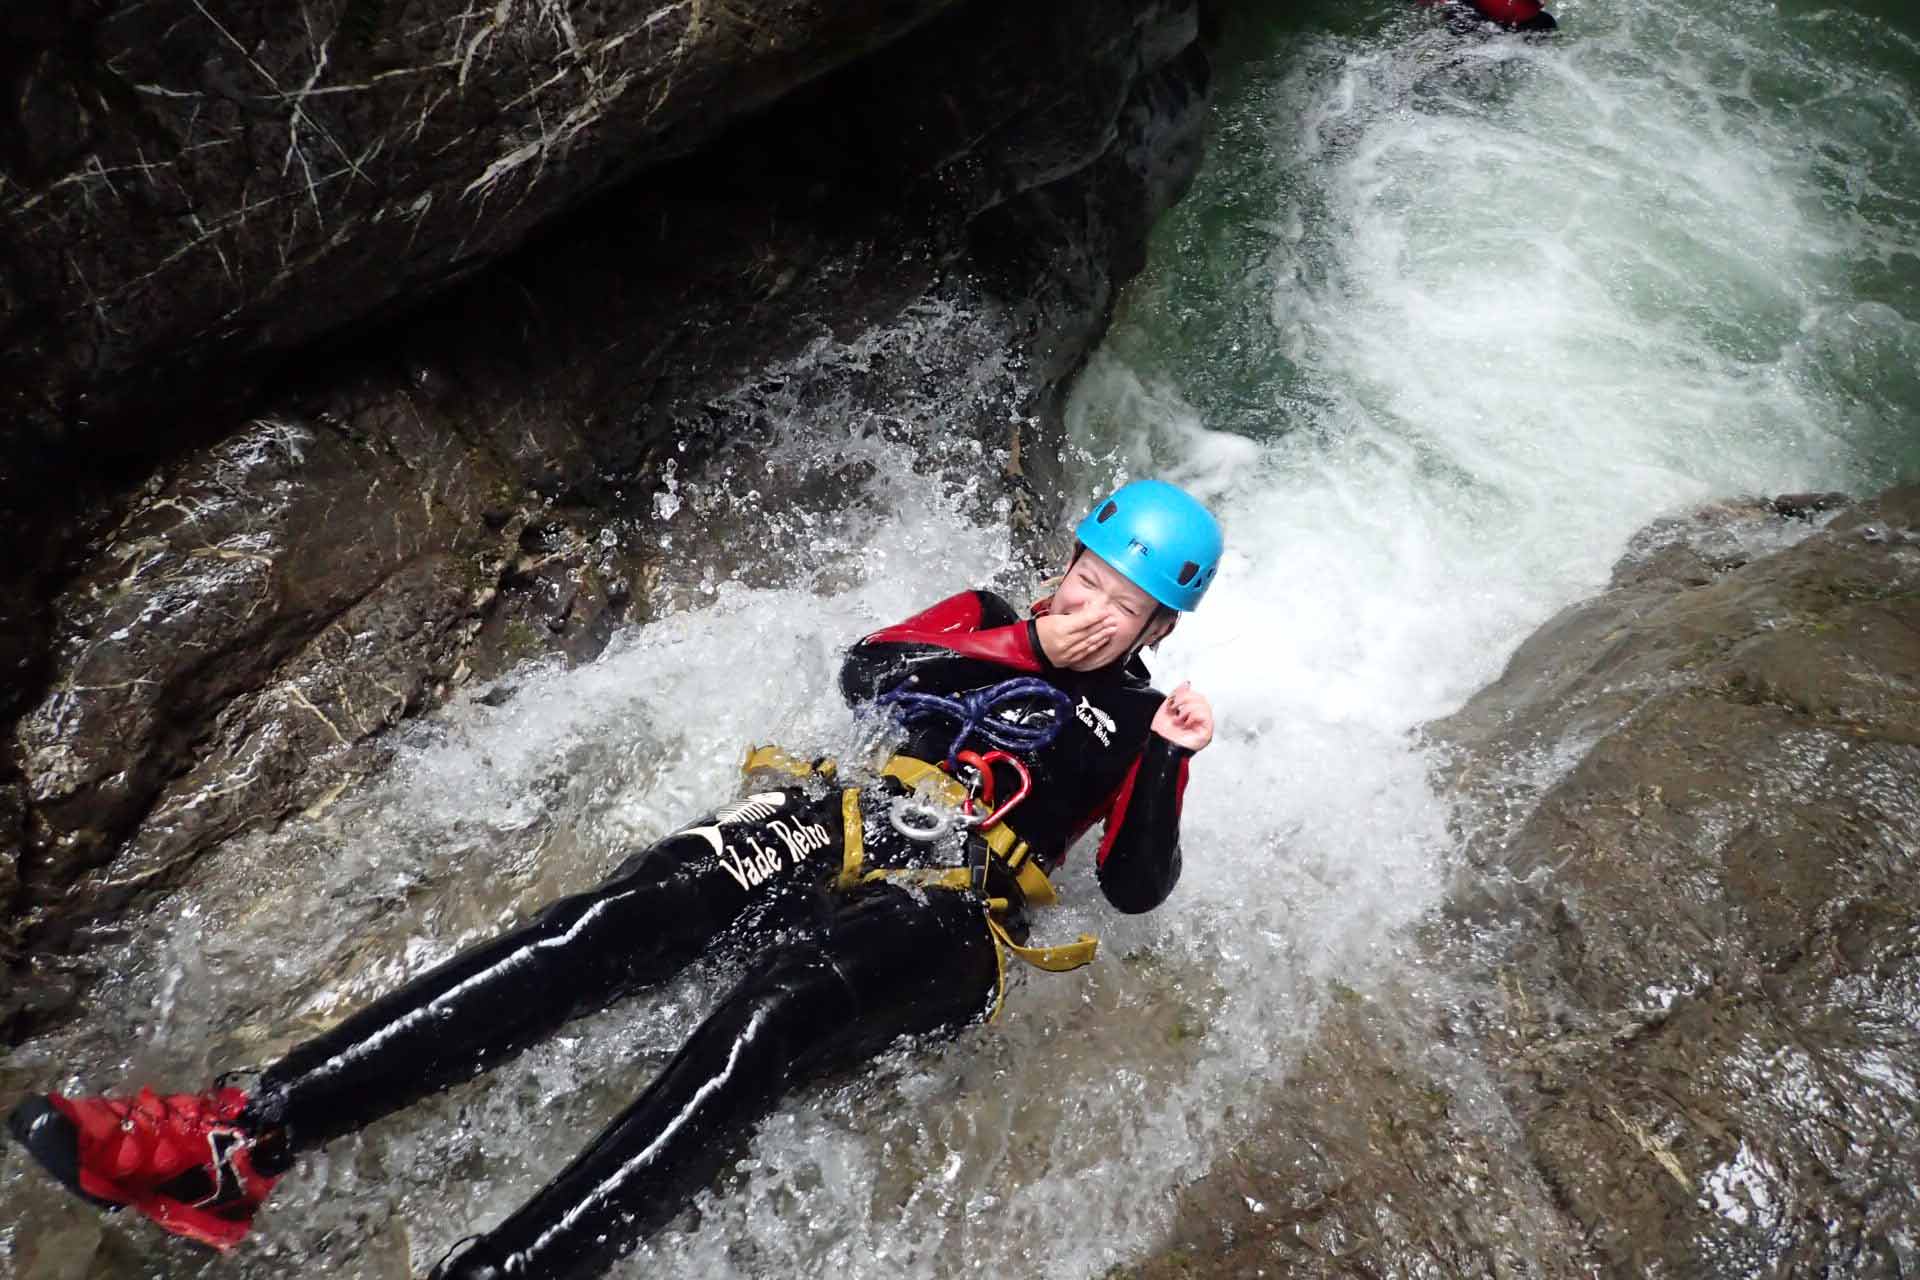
223	638
189	182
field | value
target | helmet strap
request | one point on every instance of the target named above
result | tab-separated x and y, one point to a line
1140	641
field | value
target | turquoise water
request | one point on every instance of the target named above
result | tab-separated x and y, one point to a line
1724	198
1445	320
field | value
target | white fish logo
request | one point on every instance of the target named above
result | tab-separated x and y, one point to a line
1097	720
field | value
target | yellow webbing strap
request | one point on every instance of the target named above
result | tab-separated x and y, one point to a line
853	851
999	972
1033	882
912	773
853	846
1012	850
1035	888
1064	958
781	760
1061	959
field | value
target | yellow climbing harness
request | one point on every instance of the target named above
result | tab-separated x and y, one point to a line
1012	852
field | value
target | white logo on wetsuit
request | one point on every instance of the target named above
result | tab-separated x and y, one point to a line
742	856
1095	719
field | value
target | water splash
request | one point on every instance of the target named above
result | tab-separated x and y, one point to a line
1441	325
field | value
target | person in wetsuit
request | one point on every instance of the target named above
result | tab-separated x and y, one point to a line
885	926
1508	15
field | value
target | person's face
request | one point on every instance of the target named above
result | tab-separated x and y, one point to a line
1094	586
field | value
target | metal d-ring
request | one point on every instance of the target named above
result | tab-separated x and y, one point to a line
918	819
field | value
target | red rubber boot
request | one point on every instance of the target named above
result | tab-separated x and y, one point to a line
182	1161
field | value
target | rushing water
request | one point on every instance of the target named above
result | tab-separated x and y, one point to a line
1443	322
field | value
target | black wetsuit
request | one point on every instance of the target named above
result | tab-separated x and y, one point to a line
856	965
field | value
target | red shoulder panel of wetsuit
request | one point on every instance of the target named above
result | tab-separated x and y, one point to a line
954	623
958	612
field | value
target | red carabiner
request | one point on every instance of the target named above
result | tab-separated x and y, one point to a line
983	764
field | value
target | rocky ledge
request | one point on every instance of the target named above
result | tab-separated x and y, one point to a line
310	421
1669	1023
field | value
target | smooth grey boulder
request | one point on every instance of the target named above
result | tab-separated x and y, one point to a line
1711	1037
1669	1021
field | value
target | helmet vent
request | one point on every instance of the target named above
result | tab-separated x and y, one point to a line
1107	513
1187	571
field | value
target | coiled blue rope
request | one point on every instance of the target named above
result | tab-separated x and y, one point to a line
973	711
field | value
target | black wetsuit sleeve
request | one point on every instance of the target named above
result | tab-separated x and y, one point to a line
967	640
1139	860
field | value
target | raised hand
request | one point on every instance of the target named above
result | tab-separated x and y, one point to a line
1076	640
1185	718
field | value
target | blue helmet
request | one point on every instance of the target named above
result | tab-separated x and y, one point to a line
1159	538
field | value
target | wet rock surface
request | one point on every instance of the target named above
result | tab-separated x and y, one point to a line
220	611
1670	1021
192	183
